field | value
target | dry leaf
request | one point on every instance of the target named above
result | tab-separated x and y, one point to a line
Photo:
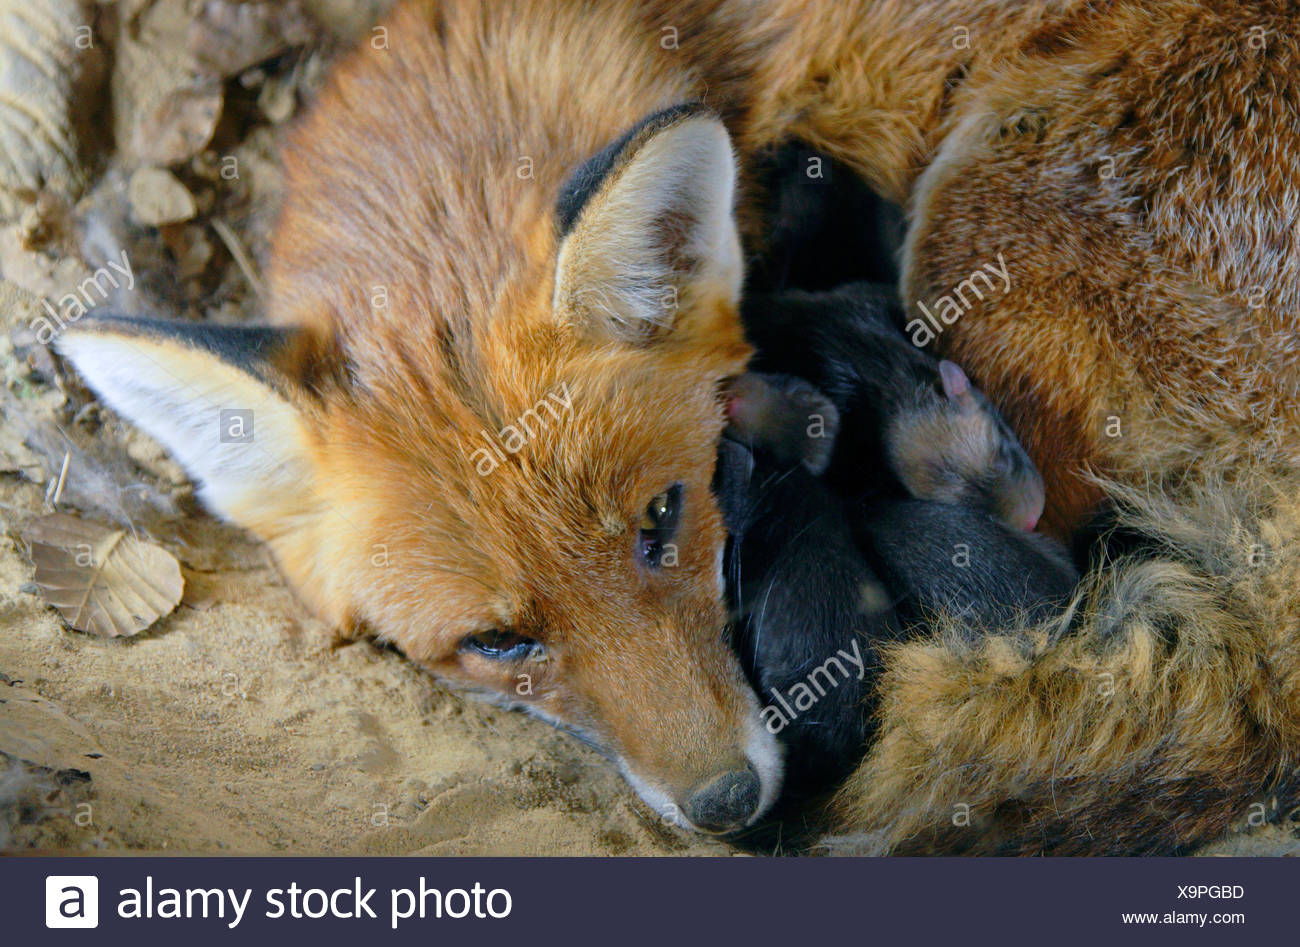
204	591
102	580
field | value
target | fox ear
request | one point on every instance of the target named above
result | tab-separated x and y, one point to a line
649	228
215	398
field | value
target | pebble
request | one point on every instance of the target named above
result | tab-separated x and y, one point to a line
158	198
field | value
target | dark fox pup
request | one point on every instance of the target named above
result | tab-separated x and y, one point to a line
830	559
908	420
806	604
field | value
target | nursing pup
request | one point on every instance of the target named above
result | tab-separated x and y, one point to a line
907	417
821	583
809	612
952	560
824	576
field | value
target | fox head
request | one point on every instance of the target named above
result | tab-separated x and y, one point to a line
517	497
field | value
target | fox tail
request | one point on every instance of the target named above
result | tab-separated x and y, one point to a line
1159	712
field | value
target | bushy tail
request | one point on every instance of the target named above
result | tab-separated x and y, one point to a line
1160	712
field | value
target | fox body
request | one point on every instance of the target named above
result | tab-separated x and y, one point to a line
469	226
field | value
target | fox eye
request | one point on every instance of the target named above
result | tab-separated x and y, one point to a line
659	524
500	645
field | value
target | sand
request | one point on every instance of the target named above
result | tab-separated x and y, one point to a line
238	725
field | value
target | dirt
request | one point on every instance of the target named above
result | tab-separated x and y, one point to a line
238	725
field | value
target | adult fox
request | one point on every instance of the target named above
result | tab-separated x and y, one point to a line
440	270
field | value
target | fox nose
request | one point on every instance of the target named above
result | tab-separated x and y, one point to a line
725	802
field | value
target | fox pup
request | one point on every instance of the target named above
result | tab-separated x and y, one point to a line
514	205
940	436
822	579
804	597
816	583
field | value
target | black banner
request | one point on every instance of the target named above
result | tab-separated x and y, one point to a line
485	902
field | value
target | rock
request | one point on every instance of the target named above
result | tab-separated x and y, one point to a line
277	100
158	198
229	36
176	125
347	19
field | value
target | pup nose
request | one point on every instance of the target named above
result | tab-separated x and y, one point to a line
725	802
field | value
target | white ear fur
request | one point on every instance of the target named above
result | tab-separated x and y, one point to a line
249	466
661	229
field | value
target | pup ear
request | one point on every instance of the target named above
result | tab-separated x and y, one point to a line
956	386
650	233
784	417
216	398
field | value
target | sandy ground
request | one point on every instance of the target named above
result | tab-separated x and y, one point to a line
236	723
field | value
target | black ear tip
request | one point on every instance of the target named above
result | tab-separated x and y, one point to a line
585	180
245	347
96	322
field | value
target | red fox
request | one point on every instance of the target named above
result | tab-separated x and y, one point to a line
479	216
